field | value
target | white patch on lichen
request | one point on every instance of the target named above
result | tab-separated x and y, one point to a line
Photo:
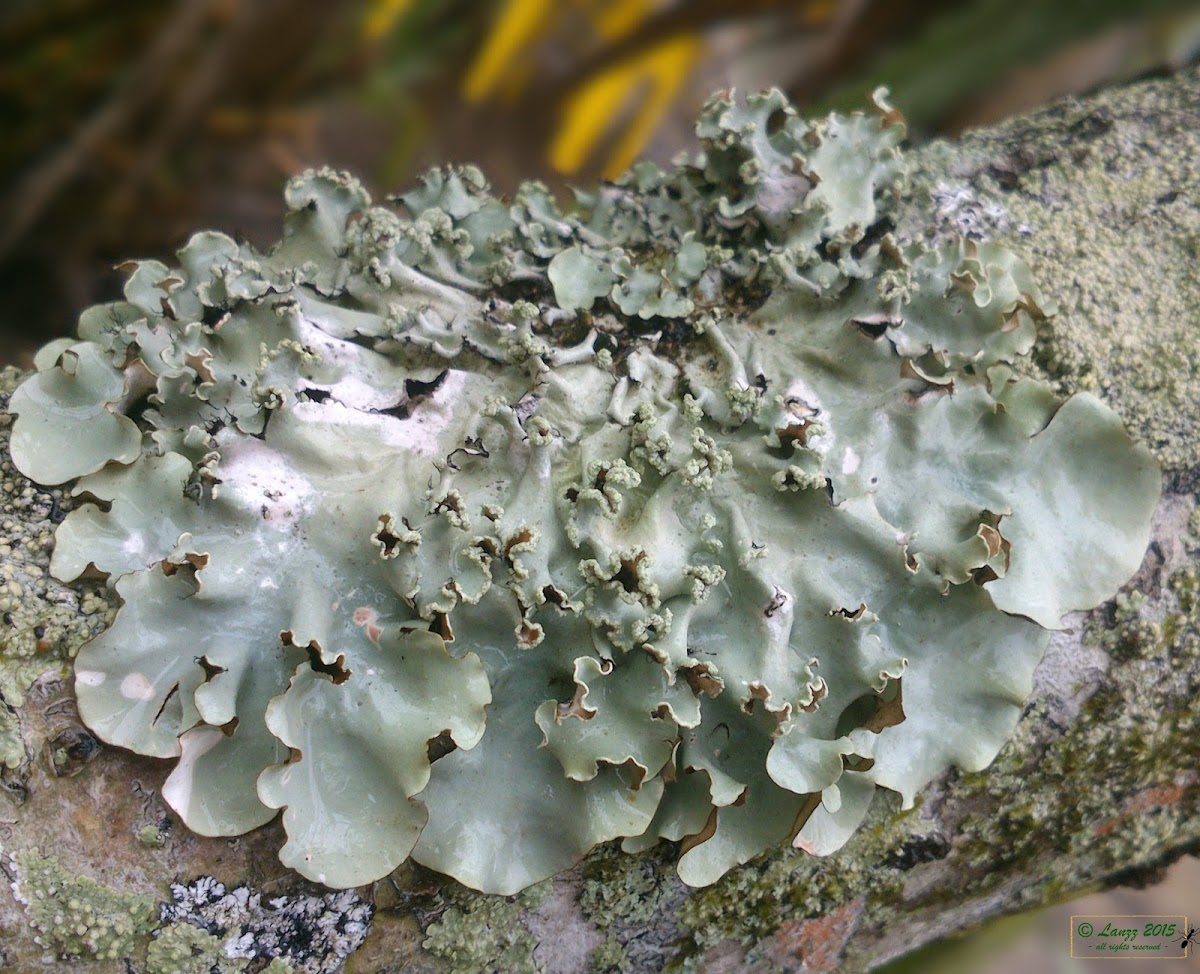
421	434
177	790
257	476
136	686
351	389
90	678
799	391
368	619
779	614
850	462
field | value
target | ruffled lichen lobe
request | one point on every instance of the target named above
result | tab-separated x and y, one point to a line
43	622
497	531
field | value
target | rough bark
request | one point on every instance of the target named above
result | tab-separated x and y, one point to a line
1097	788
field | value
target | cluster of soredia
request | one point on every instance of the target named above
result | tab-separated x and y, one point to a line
483	532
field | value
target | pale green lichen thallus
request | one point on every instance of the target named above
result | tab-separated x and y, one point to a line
482	531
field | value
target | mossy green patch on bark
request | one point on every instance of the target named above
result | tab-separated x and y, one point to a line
636	903
12	747
611	958
75	916
183	949
651	919
479	933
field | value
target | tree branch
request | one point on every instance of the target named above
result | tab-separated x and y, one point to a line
1097	788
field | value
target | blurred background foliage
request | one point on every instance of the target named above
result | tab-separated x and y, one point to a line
129	124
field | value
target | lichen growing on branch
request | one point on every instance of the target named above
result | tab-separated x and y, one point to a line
483	532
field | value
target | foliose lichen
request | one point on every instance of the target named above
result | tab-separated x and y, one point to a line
491	531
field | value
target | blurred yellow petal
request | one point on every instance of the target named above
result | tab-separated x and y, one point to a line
520	21
616	18
588	115
669	67
591	109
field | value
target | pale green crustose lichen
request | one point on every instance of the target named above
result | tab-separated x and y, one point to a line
481	934
486	532
77	917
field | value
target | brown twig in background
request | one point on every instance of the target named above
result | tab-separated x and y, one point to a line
182	107
34	193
